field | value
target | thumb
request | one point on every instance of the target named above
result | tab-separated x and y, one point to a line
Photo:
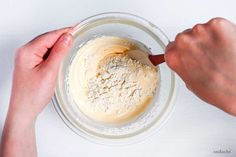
58	51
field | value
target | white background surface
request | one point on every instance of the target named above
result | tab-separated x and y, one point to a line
194	129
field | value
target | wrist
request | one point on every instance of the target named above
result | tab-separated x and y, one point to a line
19	121
22	109
20	117
17	133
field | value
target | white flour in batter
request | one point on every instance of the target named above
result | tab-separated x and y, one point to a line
109	86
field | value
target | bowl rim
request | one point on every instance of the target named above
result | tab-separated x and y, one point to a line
76	27
151	129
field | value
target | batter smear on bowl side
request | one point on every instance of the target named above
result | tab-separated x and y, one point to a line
107	84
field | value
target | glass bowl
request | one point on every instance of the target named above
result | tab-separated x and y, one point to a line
127	26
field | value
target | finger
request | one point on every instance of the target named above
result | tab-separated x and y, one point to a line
169	46
187	30
171	56
58	51
40	45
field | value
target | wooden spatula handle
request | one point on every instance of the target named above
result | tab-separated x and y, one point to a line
157	59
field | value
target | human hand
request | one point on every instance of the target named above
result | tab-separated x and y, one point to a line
36	67
205	58
35	73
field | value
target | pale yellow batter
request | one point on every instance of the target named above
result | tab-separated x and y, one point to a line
109	86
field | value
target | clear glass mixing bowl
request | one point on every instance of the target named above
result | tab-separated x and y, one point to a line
128	26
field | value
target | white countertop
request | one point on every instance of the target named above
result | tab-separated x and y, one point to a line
194	129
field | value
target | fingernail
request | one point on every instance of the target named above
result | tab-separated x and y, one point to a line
67	38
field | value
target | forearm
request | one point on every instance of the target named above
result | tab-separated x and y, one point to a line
18	139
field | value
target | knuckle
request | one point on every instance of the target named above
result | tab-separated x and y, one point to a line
181	39
198	28
215	22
